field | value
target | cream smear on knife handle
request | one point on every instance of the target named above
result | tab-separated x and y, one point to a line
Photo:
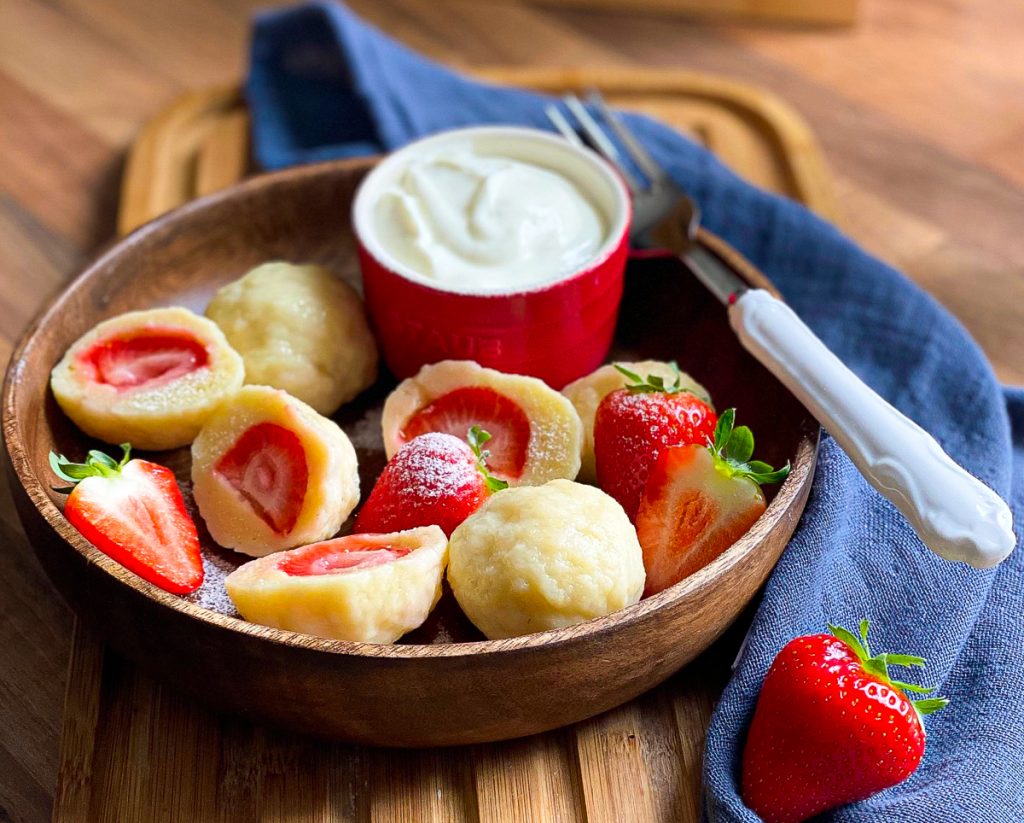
473	221
955	514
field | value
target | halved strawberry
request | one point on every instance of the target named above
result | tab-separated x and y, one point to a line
455	412
698	501
133	512
337	557
147	359
267	465
634	424
435	479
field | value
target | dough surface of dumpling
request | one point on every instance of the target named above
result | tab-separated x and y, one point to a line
151	378
534	558
269	473
301	329
313	590
536	433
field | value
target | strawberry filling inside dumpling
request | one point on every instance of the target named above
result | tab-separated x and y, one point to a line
269	473
267	466
536	434
458	411
145	360
370	588
336	557
150	378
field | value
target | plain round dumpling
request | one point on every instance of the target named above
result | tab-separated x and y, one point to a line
368	588
150	378
587	393
534	558
301	329
269	473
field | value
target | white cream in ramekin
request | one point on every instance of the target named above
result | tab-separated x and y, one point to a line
490	210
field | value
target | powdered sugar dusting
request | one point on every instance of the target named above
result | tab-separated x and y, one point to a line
433	466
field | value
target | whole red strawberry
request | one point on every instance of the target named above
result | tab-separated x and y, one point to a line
433	480
831	727
635	423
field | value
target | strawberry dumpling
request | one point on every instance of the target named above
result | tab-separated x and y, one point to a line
369	588
535	432
269	473
301	329
149	378
587	393
543	557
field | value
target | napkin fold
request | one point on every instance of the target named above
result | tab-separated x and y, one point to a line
324	84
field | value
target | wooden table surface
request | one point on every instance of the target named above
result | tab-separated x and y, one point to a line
920	109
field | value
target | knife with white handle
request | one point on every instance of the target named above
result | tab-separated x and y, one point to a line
955	514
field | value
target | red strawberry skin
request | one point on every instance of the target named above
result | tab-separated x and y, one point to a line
631	430
138	518
825	733
432	480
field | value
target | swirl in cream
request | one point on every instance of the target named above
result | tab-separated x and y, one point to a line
478	222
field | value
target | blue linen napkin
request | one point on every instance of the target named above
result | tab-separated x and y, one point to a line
324	84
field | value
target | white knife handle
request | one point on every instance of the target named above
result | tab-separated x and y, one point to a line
955	514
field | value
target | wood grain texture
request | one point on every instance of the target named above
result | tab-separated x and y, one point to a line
611	753
899	174
806	12
427	691
902	90
199	143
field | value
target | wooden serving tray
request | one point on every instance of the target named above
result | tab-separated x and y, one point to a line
200	143
801	12
135	750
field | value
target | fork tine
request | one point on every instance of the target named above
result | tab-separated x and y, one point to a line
647	164
558	120
595	134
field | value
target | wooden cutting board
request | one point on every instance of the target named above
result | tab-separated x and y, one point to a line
796	12
133	750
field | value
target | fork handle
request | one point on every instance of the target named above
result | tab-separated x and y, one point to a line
955	514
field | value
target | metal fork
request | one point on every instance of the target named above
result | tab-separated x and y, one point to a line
954	513
664	216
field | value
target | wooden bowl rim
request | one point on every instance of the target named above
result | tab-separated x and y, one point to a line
800	475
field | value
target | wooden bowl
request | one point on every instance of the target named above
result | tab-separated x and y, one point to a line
444	684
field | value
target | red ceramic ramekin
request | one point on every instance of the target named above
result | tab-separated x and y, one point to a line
557	331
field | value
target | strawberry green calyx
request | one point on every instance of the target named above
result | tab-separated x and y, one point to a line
654	384
732	449
477	437
878	665
97	464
